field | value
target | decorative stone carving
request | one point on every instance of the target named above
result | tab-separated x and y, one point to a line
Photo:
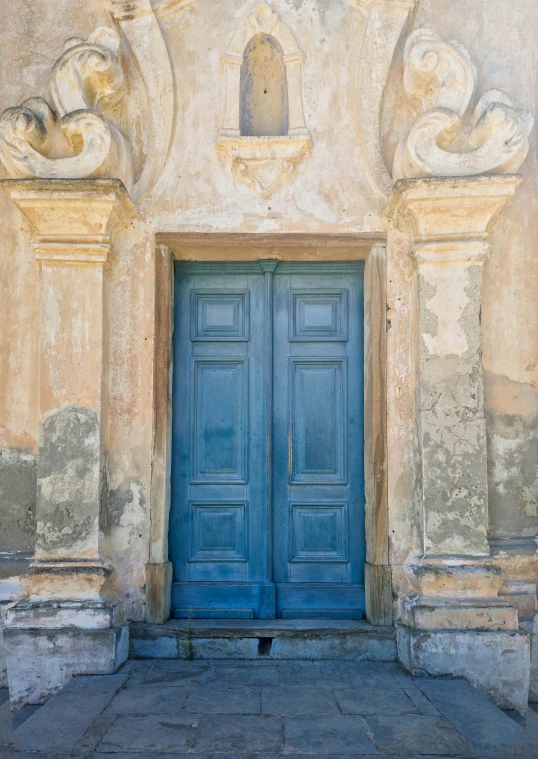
446	138
90	133
263	163
75	140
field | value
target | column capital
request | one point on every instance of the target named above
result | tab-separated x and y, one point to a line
450	210
73	220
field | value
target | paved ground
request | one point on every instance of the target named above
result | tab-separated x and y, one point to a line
263	710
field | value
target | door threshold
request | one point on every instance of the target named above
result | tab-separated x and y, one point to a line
251	628
253	639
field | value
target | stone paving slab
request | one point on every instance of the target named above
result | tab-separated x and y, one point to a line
165	700
327	734
62	722
418	735
374	701
264	675
493	733
150	732
217	700
241	734
298	699
178	673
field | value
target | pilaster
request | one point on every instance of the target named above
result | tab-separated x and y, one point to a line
453	582
74	224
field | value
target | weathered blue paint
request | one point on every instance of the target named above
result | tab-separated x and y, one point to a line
267	514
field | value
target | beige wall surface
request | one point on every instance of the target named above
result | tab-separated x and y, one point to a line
331	193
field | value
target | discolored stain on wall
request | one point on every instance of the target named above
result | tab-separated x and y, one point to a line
68	486
18	480
512	424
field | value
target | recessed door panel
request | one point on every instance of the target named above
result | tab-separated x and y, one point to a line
220	420
318	421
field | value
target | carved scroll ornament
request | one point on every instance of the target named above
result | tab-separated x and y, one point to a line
447	138
74	140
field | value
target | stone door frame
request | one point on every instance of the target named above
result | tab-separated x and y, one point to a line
171	247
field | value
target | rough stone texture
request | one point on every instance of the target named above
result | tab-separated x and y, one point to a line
40	662
17	499
129	714
512	418
299	639
493	734
410	735
69	485
61	723
453	425
495	662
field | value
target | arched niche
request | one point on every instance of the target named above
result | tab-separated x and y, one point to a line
263	135
263	89
262	22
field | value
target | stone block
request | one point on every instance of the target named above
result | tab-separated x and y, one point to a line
161	648
491	733
496	662
347	647
55	614
417	735
41	661
463	617
221	648
158	592
327	734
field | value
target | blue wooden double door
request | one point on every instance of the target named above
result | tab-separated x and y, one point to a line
267	501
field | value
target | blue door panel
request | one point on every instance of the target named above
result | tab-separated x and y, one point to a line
267	514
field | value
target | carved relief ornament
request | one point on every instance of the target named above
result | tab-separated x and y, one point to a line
446	138
81	136
74	140
264	164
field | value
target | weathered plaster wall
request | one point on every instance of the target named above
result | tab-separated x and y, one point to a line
331	193
502	47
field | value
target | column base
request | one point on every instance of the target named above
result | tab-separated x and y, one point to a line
65	578
378	589
158	592
47	642
496	662
457	594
